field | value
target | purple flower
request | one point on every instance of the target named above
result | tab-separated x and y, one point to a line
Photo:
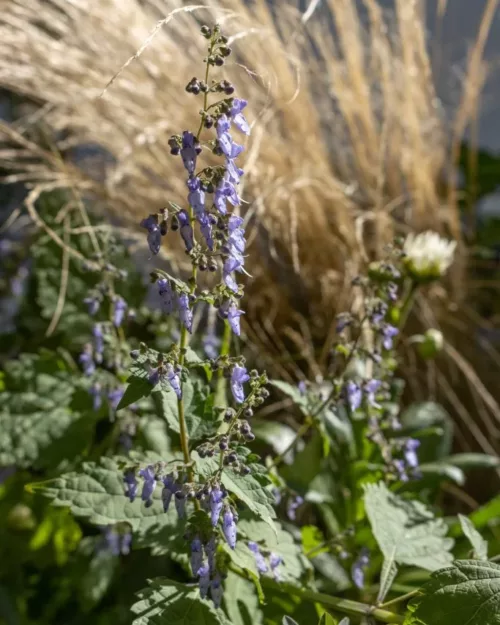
211	343
204	581
275	560
196	555
379	312
216	497
216	590
119	308
210	549
95	391
170	487
98	341
114	397
154	376
174	380
370	388
87	361
277	495
131	485
230	311
186	229
196	196
224	191
353	394
180	504
167	295
410	452
112	540
392	291
293	504
400	467
388	333
239	376
237	117
302	387
229	528
154	233
126	543
224	138
92	304
357	569
206	230
233	172
188	151
149	485
185	312
260	561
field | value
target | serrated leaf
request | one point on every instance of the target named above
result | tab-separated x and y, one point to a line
168	603
250	489
467	593
201	419
97	494
406	531
241	601
478	543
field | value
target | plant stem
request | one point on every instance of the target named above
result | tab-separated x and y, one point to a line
220	390
404	597
346	606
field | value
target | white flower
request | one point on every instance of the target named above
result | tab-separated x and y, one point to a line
428	256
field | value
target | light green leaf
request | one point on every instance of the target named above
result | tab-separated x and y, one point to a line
474	461
387	577
293	392
467	593
442	469
97	494
489	512
407	533
241	601
313	539
168	603
327	619
250	489
478	543
201	419
288	620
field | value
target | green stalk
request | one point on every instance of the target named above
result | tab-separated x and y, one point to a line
346	606
220	389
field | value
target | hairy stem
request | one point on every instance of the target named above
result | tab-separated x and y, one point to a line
220	390
404	597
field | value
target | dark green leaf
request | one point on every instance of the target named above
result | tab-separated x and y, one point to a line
137	388
467	593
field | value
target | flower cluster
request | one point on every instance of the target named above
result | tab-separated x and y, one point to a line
263	564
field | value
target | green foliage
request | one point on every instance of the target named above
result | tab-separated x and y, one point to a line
406	531
467	593
478	543
166	602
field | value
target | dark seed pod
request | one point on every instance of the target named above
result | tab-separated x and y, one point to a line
228	415
206	32
245	470
250	437
232	457
163	228
218	60
248	412
225	51
212	266
209	121
174	224
175	151
223	444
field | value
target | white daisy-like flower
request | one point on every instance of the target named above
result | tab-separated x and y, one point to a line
428	256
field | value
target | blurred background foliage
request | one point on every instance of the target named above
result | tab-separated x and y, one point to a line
351	146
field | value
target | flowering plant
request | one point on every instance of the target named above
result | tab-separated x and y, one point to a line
338	516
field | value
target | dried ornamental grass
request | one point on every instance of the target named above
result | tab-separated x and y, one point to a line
349	145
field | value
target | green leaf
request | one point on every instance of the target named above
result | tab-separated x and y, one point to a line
489	512
344	621
288	620
241	601
137	388
313	539
293	392
407	533
478	543
425	415
250	489
327	619
387	577
98	578
467	593
443	470
201	419
97	494
474	461
168	603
